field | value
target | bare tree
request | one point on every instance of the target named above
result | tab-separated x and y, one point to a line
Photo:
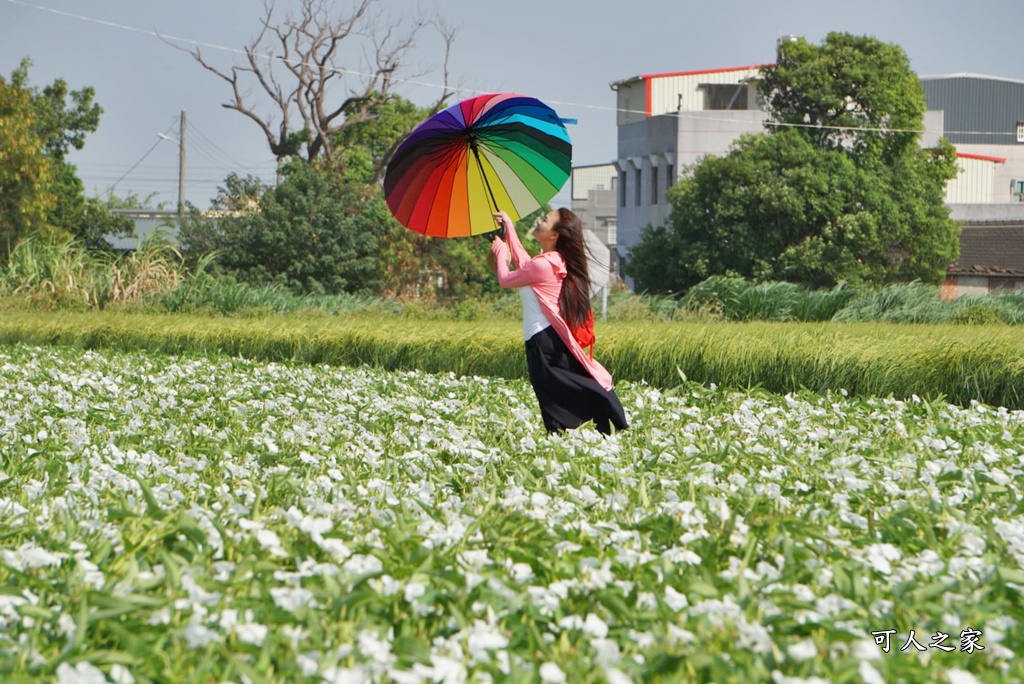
296	62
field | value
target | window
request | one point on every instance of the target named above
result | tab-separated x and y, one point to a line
725	95
637	193
622	189
654	185
1020	131
669	177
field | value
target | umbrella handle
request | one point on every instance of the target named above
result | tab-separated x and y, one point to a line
499	234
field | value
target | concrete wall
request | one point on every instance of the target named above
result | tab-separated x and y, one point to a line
147	226
989	212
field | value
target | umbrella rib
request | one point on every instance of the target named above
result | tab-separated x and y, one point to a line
487	184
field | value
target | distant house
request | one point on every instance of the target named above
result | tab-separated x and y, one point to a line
991	260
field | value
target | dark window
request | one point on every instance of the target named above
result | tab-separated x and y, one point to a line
637	194
654	185
622	189
669	178
725	95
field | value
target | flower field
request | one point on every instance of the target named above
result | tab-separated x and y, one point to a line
212	519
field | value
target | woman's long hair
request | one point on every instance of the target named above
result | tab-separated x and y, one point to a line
574	301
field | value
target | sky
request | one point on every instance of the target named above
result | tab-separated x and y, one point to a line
564	52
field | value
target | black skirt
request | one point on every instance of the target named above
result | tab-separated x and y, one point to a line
567	393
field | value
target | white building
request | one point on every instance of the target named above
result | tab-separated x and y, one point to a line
669	121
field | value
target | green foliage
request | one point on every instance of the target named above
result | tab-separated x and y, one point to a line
362	149
859	204
861	91
65	274
62	125
54	120
88	219
24	173
315	232
961	363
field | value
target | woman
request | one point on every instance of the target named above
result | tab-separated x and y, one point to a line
572	388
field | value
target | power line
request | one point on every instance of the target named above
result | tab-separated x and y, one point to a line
158	141
410	81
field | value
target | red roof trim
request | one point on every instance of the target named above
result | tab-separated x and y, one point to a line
981	157
702	71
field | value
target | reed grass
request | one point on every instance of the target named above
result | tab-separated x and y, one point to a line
66	275
962	364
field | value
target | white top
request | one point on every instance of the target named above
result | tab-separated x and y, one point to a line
533	318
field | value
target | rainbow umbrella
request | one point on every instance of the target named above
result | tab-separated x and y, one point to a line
499	151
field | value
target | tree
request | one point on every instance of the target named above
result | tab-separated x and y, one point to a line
24	173
313	233
60	126
842	192
60	119
302	76
854	93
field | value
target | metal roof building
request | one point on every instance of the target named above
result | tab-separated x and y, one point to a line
668	121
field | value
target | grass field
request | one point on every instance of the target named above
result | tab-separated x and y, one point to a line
957	362
204	518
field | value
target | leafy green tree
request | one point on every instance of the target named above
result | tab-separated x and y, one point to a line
61	124
364	148
60	119
25	174
846	195
853	93
313	233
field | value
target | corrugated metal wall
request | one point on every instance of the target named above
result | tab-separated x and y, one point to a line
977	110
974	184
674	93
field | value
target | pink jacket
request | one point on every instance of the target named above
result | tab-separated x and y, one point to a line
544	274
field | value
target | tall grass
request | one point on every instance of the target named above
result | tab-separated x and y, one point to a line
64	274
960	363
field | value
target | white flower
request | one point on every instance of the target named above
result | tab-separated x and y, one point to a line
521	572
957	676
119	674
675	600
869	674
292	598
802	650
551	674
81	673
30	556
595	626
879	557
414	590
269	540
251	633
197	635
608	652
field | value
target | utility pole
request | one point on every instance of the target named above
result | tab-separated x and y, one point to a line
181	166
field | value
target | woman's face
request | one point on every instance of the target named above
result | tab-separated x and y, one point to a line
545	231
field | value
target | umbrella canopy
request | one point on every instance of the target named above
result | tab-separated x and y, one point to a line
499	151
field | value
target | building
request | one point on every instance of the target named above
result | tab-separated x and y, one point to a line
669	121
984	116
150	225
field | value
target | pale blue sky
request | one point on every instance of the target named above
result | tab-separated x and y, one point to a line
563	52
